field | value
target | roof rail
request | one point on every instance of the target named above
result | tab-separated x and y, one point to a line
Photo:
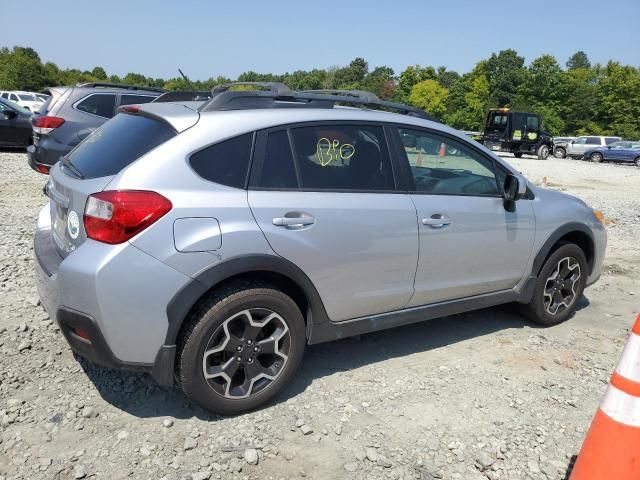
119	85
183	96
278	95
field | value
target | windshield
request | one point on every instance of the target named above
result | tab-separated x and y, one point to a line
27	97
117	144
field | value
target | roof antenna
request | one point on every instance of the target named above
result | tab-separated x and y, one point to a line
193	89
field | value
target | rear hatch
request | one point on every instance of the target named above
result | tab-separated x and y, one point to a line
92	165
51	105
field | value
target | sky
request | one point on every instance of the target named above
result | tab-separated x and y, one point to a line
211	38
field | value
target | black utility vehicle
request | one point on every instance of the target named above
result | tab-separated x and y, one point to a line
516	132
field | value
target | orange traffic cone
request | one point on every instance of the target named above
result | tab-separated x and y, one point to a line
611	449
545	182
442	152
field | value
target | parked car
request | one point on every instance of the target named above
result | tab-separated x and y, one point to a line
42	96
15	125
210	242
577	147
24	99
72	113
623	151
559	141
515	132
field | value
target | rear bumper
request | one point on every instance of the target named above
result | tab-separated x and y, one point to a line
109	302
46	152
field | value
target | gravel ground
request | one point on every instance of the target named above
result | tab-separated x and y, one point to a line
473	396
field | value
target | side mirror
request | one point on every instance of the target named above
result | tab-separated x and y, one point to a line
9	114
515	188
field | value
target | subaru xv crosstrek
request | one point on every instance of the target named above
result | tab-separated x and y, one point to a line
208	243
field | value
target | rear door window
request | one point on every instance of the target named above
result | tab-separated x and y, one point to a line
102	104
135	99
226	162
277	170
610	140
342	157
117	144
593	141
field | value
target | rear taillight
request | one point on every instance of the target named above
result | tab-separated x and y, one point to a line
43	169
117	215
129	109
45	124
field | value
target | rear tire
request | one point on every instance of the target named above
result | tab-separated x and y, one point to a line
558	287
517	154
596	157
559	152
250	321
637	162
543	152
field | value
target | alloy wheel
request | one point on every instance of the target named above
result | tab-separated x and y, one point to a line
596	157
246	353
560	287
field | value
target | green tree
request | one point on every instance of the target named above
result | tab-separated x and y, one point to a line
411	76
351	77
468	100
430	96
578	60
99	73
21	69
618	100
380	81
505	73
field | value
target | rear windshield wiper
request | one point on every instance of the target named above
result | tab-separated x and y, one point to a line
67	163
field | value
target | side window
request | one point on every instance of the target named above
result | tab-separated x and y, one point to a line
580	140
593	141
13	97
342	157
135	99
533	122
610	140
277	170
447	167
5	95
101	105
226	162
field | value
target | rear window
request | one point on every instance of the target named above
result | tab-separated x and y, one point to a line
117	144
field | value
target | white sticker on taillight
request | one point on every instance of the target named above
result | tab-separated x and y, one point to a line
98	208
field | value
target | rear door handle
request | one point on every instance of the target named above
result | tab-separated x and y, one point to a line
298	221
437	220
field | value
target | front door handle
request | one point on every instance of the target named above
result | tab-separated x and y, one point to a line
437	220
297	221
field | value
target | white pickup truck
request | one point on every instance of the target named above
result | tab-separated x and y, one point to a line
579	145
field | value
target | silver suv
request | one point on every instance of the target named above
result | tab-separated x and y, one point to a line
208	243
576	148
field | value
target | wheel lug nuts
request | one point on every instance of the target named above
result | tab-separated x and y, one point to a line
239	348
239	359
249	342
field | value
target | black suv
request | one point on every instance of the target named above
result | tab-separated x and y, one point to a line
72	113
516	132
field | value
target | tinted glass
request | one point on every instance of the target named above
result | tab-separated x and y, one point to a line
135	99
342	157
5	95
101	105
278	170
118	143
13	97
593	141
226	162
27	97
443	166
610	140
533	123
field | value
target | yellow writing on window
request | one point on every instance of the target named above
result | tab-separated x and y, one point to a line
329	151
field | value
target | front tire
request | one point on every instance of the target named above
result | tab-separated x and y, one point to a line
240	347
559	152
517	154
558	287
637	162
543	152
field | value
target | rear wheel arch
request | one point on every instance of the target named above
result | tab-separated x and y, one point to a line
276	271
